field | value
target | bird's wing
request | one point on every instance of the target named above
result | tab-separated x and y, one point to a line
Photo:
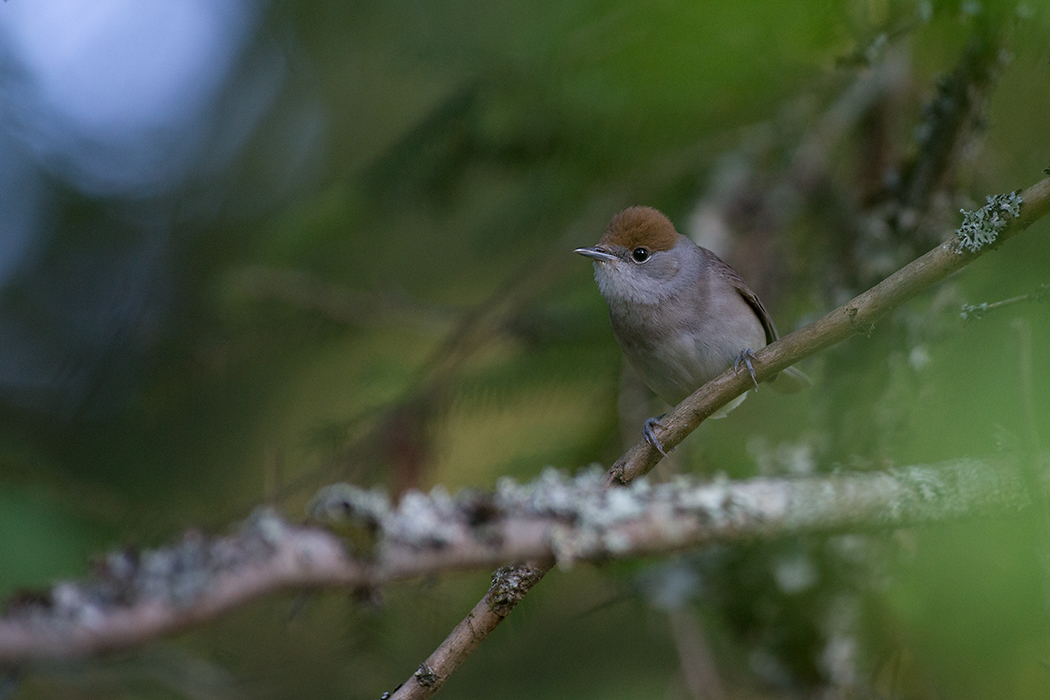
752	300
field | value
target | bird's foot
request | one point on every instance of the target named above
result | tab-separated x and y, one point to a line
745	357
650	435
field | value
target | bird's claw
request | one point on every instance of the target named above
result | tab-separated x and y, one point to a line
650	435
745	357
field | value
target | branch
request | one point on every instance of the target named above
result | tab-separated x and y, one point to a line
137	596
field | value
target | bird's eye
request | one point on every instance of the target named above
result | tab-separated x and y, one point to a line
640	254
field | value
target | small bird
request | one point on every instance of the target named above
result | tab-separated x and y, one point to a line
680	314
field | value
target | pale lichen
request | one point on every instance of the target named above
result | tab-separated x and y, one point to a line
354	513
980	228
178	576
426	676
345	505
509	586
422	520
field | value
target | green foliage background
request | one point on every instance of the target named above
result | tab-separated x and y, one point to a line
473	144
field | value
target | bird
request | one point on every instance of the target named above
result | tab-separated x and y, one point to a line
680	315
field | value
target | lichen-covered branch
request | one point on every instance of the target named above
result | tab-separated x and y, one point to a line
134	597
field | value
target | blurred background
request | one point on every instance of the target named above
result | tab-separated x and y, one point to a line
248	249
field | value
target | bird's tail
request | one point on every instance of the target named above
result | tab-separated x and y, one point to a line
789	381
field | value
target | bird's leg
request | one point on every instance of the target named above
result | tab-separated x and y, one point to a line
650	436
745	357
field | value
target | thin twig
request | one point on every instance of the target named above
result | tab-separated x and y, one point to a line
974	312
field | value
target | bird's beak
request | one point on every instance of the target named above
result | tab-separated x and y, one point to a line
599	254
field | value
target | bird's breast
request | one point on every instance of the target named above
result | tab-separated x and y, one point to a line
677	353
